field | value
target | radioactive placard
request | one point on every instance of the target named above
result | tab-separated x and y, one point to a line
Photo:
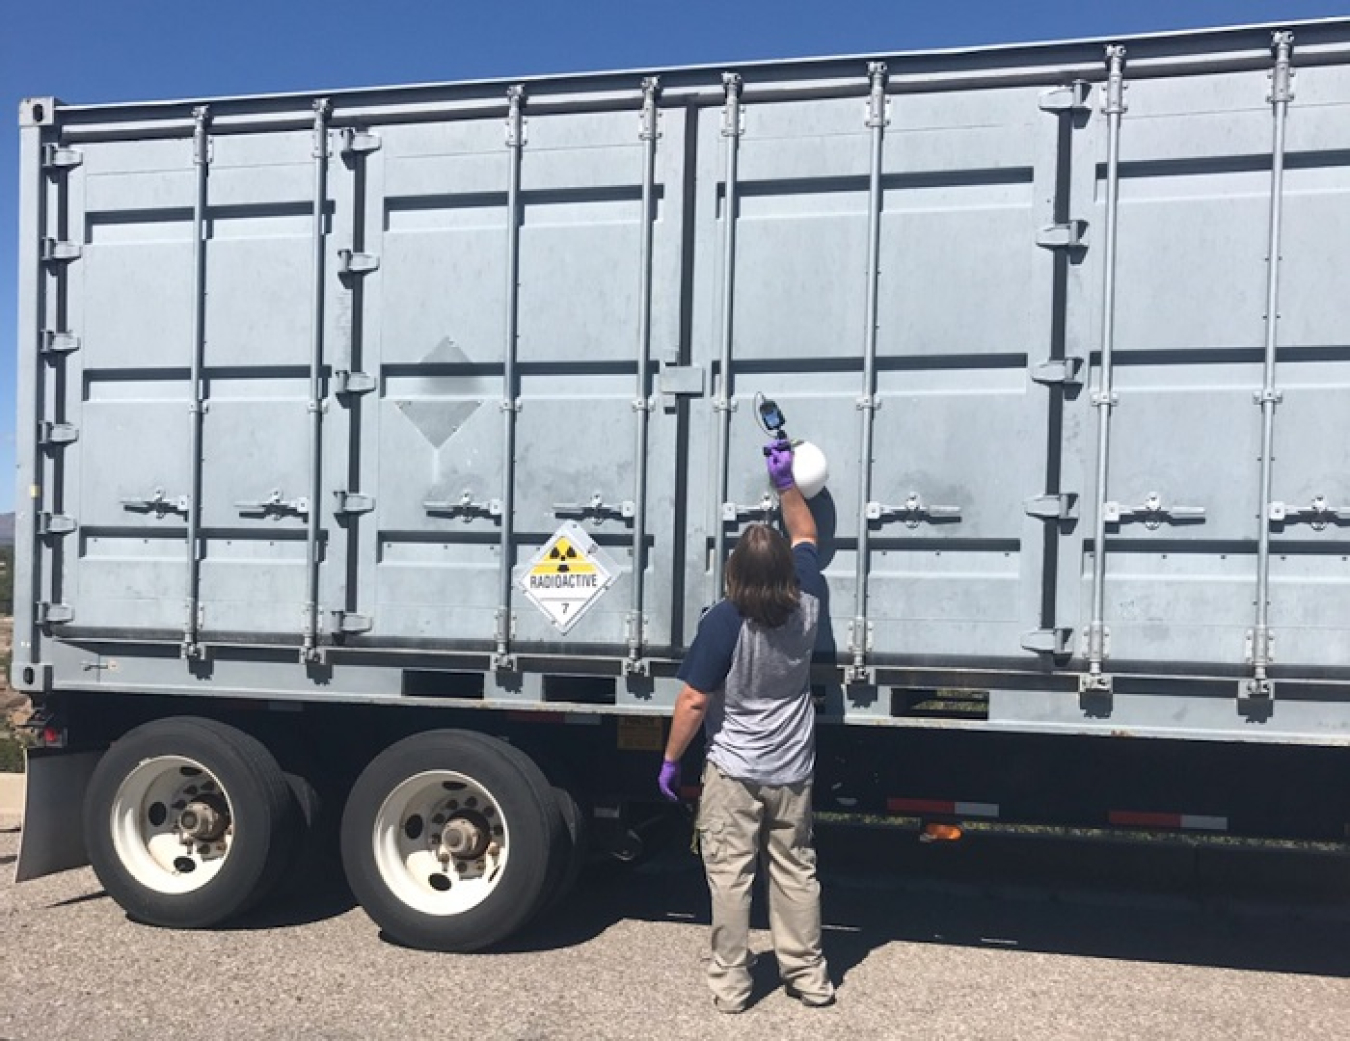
566	576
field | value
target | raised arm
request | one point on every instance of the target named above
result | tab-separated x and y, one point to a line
797	517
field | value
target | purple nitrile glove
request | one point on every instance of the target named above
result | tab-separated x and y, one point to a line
778	458
669	780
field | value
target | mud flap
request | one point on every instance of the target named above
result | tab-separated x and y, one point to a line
53	813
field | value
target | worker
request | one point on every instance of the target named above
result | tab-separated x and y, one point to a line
747	680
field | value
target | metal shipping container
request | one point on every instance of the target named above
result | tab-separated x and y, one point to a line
444	396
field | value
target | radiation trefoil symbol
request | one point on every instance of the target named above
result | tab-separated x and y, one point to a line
567	576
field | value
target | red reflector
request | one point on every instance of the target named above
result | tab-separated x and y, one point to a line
53	737
918	807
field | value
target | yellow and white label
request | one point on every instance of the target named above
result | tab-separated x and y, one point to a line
566	576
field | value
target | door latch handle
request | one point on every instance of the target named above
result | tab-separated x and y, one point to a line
1318	514
466	507
157	503
596	509
274	504
913	511
766	507
1153	513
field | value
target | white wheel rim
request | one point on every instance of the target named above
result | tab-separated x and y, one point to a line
410	853
146	825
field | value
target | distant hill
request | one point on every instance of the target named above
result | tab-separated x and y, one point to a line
6	529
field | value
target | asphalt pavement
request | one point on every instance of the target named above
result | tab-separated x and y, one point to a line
989	938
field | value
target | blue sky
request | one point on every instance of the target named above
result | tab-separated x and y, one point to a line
85	51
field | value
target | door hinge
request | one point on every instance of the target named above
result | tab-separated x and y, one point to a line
351	263
1072	234
1053	507
350	622
1058	642
55	251
54	614
57	433
55	158
55	524
55	344
1071	97
346	382
359	142
353	502
1064	371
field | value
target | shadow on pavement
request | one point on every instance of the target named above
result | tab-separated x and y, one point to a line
1240	909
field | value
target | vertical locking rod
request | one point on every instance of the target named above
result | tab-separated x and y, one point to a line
1281	93
723	404
515	141
310	650
35	295
201	158
642	404
1104	397
867	402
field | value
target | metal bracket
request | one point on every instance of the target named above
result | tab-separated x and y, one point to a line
350	263
733	116
349	622
1072	234
359	142
912	511
1097	642
1152	512
878	104
1260	648
649	125
515	123
1071	97
1318	515
54	614
596	509
352	383
352	502
466	506
50	434
1060	507
732	512
1282	75
868	631
1095	683
56	159
274	503
687	380
1063	371
1058	642
57	344
157	503
55	251
55	524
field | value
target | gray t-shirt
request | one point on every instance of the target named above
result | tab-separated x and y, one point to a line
761	723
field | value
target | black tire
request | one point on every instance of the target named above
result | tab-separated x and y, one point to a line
577	849
263	819
526	804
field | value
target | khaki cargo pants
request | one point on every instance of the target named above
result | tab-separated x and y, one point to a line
738	822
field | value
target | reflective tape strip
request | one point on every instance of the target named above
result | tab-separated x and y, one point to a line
1181	821
918	807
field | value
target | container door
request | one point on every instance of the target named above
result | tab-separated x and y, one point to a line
439	302
957	566
1194	198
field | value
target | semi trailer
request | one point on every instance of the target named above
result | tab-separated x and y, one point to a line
379	450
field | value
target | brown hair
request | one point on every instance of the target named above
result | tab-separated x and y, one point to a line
761	576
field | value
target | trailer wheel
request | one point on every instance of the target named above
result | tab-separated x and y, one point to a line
188	822
450	839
